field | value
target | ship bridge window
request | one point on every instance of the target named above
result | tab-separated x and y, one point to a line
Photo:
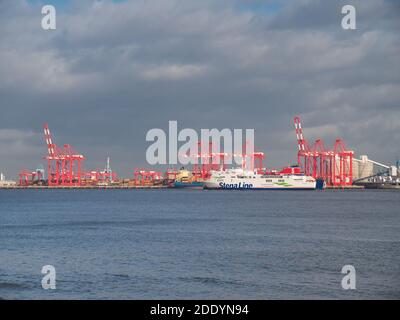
268	180
281	180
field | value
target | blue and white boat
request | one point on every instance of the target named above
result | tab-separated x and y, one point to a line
188	184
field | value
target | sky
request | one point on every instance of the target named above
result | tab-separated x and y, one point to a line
113	70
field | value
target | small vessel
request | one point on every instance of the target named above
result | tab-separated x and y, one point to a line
188	184
288	179
380	185
185	179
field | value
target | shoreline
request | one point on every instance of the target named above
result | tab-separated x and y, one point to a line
159	187
79	187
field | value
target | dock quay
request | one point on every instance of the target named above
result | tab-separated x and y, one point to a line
352	187
82	187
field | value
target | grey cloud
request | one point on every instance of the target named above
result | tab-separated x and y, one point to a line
110	72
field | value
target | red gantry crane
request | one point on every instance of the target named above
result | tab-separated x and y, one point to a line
143	177
334	166
64	166
27	178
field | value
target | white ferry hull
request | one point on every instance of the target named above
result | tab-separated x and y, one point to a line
259	182
215	187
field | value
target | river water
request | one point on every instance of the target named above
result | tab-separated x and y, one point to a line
195	244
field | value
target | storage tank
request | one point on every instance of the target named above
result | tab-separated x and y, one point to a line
356	168
393	171
365	168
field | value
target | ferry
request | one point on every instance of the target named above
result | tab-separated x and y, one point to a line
288	179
